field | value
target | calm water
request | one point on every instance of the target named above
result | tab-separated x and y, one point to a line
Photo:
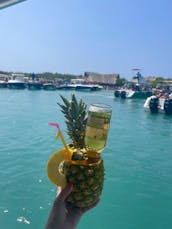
138	160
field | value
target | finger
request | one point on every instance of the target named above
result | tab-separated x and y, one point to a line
65	192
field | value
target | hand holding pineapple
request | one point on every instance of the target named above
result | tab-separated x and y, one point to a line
85	170
64	215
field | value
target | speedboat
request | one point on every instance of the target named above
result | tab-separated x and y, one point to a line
156	104
17	83
137	88
132	94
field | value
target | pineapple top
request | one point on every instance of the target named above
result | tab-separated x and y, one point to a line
75	117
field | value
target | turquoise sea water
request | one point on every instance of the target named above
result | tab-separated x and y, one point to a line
137	191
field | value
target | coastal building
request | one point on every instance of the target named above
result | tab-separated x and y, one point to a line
104	79
150	78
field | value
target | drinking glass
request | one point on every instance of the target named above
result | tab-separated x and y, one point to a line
97	127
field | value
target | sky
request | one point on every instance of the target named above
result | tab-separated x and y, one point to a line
75	36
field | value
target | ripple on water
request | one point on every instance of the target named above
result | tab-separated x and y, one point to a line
22	219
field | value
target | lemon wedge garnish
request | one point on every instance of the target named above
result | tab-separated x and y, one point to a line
53	168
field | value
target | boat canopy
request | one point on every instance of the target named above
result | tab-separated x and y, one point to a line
7	3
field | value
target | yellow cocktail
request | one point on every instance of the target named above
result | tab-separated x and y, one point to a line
97	127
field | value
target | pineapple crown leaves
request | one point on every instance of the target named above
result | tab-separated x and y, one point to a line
75	117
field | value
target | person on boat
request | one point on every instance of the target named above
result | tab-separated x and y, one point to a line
64	215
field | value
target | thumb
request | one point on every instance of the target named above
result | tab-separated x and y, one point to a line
65	192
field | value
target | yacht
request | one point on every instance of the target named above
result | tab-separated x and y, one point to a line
17	82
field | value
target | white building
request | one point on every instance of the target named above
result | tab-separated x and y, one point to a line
93	77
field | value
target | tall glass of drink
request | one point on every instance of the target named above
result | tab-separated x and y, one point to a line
97	127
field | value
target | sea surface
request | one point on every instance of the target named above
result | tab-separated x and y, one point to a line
137	190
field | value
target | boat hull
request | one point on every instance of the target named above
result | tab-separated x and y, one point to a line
87	88
80	87
66	87
16	85
49	87
34	86
3	85
141	95
130	94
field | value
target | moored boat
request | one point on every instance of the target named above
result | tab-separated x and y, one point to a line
132	94
67	87
156	104
3	84
88	87
80	87
17	83
34	85
135	89
49	86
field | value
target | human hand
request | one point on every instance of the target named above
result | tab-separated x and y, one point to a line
65	215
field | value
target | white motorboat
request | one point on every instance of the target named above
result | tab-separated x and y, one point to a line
88	87
67	87
137	88
132	94
81	87
159	105
17	82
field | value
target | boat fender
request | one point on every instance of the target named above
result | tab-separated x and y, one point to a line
153	105
123	94
168	106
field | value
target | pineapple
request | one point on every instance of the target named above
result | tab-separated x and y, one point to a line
84	171
87	178
87	182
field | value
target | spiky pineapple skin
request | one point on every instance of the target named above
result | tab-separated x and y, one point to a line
87	182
